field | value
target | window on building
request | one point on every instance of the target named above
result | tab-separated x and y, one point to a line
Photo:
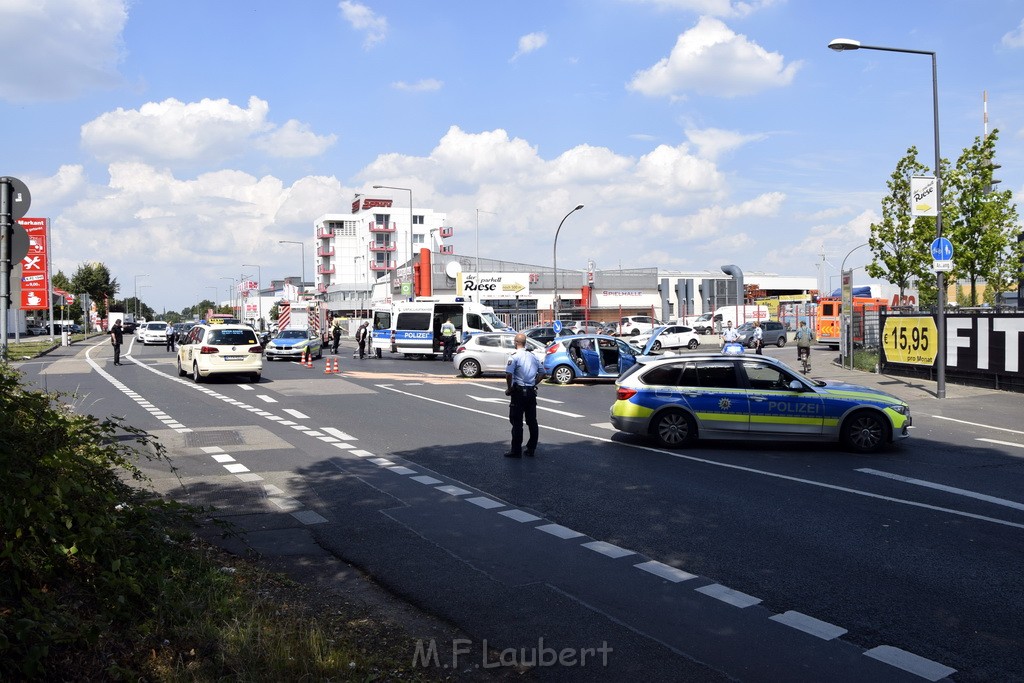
381	218
417	220
419	239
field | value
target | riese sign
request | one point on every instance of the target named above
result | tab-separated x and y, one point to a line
483	286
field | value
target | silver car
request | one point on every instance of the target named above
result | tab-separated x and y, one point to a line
489	352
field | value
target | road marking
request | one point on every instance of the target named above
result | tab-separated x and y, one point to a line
340	434
295	413
901	659
664	571
947	489
503	401
559	530
605	425
713	463
1002	443
815	627
728	595
608	549
266	399
519	515
977	424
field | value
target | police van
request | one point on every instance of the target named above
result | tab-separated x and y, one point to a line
416	325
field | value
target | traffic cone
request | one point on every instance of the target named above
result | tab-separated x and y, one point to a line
327	367
336	368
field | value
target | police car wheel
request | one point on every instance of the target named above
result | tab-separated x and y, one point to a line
563	374
864	432
674	429
469	368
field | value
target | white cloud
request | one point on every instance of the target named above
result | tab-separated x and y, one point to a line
1015	38
362	18
711	143
423	85
59	49
710	59
530	43
209	130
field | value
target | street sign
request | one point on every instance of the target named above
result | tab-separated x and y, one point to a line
942	249
557	326
942	266
21	198
910	340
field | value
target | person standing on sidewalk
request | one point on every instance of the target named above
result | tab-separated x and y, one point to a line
116	339
523	373
361	335
335	338
757	339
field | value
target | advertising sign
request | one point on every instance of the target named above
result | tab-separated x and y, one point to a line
492	285
35	267
923	197
912	340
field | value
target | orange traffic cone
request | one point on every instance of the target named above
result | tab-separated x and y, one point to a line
336	368
327	367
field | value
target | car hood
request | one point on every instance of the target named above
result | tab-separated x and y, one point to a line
848	389
288	342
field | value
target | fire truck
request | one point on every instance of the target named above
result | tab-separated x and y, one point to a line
827	325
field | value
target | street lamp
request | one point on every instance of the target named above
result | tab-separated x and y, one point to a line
259	291
141	287
302	284
231	294
409	190
844	44
137	292
554	259
478	212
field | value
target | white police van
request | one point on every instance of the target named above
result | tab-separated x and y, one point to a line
416	325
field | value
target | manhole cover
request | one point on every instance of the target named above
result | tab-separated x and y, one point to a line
220	437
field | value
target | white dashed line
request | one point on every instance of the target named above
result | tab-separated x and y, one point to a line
223	457
519	516
294	413
942	487
453	490
810	625
236	468
901	659
728	595
559	531
664	571
340	434
608	549
266	399
362	454
424	479
401	469
485	503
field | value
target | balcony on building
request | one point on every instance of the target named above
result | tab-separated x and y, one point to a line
325	251
374	247
382	227
322	288
324	233
385	265
325	270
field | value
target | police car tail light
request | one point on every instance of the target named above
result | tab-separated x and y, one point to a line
209	349
553	348
624	393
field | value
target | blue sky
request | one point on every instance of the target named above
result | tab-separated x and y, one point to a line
184	139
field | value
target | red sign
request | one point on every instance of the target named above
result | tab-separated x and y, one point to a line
35	267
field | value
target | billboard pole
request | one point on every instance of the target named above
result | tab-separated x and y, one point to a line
5	262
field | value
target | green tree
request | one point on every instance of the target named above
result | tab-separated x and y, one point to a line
982	223
94	279
61	281
900	241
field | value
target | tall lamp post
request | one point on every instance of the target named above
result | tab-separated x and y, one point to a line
844	44
302	284
141	287
554	260
137	292
259	288
478	212
231	292
409	190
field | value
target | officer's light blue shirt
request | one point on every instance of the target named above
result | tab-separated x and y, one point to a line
524	368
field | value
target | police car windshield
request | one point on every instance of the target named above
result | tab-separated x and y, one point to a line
293	334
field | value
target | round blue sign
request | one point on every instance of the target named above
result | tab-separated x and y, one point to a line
557	327
942	249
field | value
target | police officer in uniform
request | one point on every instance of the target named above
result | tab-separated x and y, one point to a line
523	373
448	339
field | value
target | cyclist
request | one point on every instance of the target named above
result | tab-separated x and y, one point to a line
804	338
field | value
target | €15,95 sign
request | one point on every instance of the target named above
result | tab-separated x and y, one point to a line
910	340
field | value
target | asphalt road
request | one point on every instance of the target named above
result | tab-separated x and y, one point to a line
605	558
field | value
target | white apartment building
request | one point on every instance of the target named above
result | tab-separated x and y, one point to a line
375	242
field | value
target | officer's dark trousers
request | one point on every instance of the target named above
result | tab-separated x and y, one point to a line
523	404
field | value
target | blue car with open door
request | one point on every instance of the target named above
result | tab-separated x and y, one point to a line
589	356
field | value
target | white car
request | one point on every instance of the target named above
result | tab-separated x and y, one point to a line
669	337
488	353
153	333
220	349
632	325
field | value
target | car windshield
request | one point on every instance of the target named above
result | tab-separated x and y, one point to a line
292	334
156	326
494	321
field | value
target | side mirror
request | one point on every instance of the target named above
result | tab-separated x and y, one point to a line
795	385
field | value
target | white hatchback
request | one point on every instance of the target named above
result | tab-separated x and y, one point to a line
153	333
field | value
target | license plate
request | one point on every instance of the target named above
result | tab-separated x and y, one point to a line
234	357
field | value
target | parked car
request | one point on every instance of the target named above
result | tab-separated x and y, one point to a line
585	327
772	332
488	352
592	356
139	330
633	325
677	400
220	349
669	337
36	330
293	344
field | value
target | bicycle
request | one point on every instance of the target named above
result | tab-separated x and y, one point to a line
803	354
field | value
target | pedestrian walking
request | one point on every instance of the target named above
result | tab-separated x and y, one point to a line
448	339
361	335
171	335
523	373
335	338
116	339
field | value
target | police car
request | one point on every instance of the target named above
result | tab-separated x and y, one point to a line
677	400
